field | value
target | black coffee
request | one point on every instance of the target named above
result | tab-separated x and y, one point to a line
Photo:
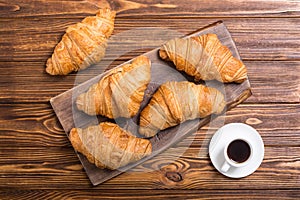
239	151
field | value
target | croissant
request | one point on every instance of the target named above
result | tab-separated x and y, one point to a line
204	58
109	146
176	102
119	93
83	44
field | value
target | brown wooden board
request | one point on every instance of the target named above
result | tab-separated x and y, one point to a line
144	8
161	72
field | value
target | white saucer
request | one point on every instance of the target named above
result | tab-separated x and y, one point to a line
228	133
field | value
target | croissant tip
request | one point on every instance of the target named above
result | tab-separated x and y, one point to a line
74	137
49	67
240	80
144	131
142	60
73	132
79	102
49	71
163	54
106	12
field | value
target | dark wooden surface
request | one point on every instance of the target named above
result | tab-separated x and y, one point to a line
36	158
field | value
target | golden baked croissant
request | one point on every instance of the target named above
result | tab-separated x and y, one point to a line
176	102
204	58
83	44
109	146
119	93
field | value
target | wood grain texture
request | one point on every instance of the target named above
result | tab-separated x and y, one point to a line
262	117
34	39
275	82
38	162
172	8
148	194
176	168
35	125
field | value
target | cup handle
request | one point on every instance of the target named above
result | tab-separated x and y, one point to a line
225	167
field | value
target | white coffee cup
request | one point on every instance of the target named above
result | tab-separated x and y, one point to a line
237	153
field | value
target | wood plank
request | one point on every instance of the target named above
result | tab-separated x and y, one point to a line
271	81
51	168
30	125
270	120
35	125
34	39
151	194
274	81
129	8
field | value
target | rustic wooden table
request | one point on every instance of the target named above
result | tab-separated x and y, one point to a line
38	162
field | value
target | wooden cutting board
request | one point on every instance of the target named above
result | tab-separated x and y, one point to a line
161	71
